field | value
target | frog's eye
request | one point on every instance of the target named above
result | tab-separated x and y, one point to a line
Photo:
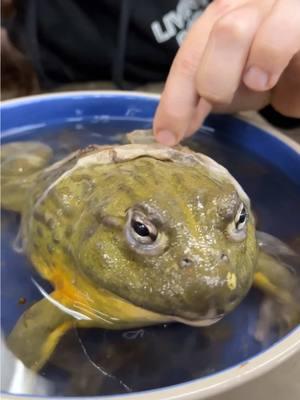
241	218
142	234
237	228
143	231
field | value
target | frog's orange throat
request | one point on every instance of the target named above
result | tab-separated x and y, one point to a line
95	307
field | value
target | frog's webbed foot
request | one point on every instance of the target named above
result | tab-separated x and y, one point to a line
273	317
278	275
20	161
37	333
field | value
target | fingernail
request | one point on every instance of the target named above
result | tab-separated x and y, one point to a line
256	79
166	137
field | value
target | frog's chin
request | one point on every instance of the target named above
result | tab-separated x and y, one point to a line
198	322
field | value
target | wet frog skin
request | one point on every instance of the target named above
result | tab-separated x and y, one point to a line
132	235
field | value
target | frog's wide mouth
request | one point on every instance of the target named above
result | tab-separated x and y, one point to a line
199	322
189	318
192	320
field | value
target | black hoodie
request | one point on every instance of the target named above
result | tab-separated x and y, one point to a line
129	42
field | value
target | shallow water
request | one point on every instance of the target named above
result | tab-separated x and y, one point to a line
93	362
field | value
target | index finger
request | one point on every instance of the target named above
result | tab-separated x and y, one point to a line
180	97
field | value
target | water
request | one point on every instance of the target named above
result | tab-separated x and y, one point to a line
94	362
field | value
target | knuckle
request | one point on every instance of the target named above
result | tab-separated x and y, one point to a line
229	26
187	65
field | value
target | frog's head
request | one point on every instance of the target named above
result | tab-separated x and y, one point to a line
170	239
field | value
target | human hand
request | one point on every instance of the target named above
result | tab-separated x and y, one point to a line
239	55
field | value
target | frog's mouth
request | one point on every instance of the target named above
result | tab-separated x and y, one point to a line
199	322
142	314
193	320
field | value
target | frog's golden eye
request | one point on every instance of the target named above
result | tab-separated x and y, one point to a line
237	228
142	235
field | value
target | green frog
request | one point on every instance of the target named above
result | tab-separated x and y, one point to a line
132	235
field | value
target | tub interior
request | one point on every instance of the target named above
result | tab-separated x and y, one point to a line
102	362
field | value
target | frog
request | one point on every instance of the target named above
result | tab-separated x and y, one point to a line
131	235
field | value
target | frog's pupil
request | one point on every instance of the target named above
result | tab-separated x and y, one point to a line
140	228
243	216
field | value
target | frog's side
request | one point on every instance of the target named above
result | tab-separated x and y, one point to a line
129	236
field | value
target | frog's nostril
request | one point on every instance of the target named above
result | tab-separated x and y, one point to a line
224	257
186	262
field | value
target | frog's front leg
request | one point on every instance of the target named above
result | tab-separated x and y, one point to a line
37	332
20	164
282	283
